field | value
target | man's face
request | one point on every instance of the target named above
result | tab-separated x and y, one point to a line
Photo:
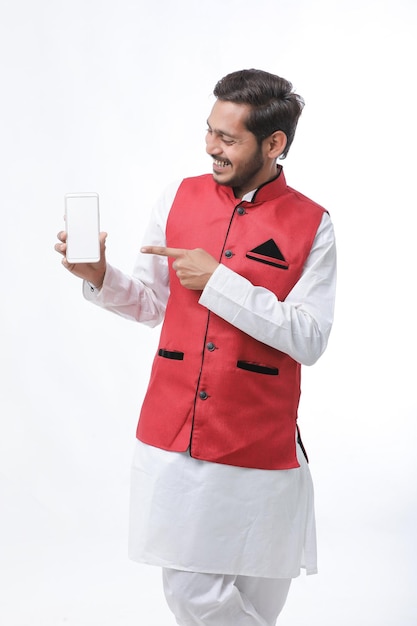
238	160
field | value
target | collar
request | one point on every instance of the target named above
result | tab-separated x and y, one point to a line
271	189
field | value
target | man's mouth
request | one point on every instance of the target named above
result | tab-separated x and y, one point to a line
220	163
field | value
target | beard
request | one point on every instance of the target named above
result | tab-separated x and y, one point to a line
243	175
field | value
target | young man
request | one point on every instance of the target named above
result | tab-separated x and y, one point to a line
241	270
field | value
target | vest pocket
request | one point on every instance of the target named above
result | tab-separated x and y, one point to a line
258	368
171	354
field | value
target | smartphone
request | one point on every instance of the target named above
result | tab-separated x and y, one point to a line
82	219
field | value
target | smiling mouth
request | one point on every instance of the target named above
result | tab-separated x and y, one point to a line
221	164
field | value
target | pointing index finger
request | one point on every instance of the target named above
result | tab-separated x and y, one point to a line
162	251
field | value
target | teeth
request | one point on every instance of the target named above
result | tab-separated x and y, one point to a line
221	163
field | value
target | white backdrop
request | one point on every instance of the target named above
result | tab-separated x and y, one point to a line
112	96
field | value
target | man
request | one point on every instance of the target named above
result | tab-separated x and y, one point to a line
241	269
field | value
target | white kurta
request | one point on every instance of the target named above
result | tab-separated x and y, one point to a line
207	517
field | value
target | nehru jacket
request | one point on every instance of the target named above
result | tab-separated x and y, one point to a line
213	389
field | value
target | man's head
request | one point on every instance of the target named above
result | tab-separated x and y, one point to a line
273	104
251	125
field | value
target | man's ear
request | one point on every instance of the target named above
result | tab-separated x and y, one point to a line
276	144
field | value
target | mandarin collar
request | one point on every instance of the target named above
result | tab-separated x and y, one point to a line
271	189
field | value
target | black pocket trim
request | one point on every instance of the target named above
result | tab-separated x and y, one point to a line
170	354
283	265
259	369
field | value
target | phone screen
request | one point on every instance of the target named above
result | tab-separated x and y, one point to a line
83	227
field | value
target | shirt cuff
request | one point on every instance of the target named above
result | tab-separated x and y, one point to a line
224	284
90	292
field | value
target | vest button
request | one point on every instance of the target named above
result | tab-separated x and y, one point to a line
203	395
210	346
228	254
241	210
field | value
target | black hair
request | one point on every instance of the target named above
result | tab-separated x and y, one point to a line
274	105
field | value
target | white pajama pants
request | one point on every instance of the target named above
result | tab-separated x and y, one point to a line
222	600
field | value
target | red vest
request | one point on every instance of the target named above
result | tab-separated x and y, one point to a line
214	389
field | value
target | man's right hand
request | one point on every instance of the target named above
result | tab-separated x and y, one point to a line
92	272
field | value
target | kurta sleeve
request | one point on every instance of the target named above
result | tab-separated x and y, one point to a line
299	326
141	297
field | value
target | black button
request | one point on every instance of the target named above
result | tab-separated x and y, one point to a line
241	210
203	395
210	346
228	254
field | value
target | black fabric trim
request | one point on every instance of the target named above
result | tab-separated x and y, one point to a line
300	443
268	253
170	354
268	248
273	263
256	367
279	170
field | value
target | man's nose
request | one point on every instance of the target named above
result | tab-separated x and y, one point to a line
212	144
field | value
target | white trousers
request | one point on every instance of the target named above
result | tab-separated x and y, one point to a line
222	600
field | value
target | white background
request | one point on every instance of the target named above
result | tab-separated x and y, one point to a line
112	96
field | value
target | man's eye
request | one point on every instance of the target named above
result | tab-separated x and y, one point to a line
227	140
